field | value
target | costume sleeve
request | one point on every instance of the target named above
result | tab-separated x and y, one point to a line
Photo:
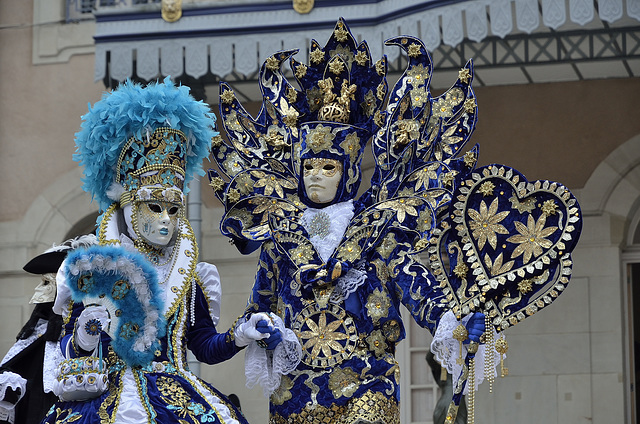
68	345
203	339
264	294
415	286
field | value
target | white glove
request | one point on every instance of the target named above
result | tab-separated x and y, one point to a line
246	332
92	321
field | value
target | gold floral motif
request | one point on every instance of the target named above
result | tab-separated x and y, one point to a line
418	74
292	94
265	206
419	96
424	221
341	34
381	91
216	183
378	119
470	105
320	138
227	97
273	64
402	207
233	196
378	305
301	70
216	141
525	286
351	145
244	183
485	224
549	207
328	336
350	251
271	183
464	75
443	107
414	50
317	55
460	270
486	188
302	254
532	238
377	343
423	176
336	66
343	382
470	159
361	58
380	68
282	393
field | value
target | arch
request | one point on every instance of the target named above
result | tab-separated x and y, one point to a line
62	210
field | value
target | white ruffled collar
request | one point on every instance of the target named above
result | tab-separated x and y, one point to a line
326	226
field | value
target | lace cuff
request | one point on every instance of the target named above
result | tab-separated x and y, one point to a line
267	367
14	381
446	350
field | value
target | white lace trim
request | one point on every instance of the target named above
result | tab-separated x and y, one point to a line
20	345
349	283
15	381
53	357
340	215
267	367
446	350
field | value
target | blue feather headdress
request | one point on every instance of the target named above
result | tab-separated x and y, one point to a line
154	135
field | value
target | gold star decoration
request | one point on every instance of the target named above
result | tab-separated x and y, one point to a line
464	75
487	188
341	34
227	97
361	58
301	70
216	183
414	50
317	56
336	66
549	207
470	105
273	64
447	179
292	94
525	286
460	270
233	196
470	158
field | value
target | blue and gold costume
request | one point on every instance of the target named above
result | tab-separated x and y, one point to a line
337	272
140	146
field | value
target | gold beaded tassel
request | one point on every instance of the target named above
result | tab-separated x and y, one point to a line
489	349
501	347
471	382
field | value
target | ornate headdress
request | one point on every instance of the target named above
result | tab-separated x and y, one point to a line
143	143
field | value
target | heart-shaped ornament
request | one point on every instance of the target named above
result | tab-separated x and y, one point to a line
505	248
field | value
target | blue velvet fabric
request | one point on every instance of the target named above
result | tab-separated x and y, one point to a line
394	275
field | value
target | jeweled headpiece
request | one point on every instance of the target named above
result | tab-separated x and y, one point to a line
143	142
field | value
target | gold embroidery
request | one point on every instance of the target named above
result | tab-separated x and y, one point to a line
370	408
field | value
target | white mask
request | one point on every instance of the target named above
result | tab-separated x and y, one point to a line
321	179
156	221
45	291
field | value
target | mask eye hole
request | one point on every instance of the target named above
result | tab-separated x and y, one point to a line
45	283
154	207
329	167
308	166
173	210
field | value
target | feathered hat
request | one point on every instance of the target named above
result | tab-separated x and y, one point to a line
143	142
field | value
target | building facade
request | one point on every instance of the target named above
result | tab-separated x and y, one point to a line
557	87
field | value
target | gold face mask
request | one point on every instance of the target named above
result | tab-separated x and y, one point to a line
321	179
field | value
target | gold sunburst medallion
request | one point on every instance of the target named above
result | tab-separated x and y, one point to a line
328	335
